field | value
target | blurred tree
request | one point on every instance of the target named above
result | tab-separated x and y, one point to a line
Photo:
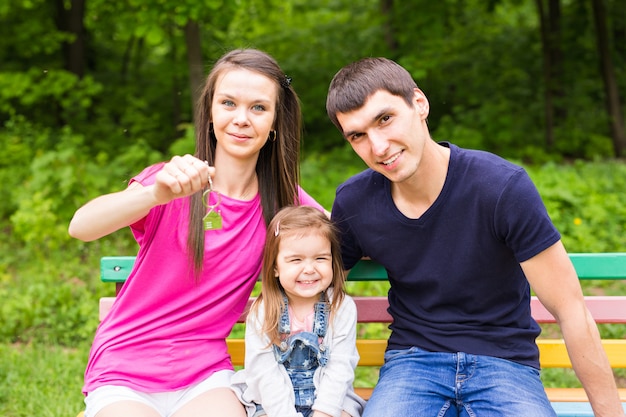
611	89
550	29
71	21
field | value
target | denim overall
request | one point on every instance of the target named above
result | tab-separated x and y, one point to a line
302	353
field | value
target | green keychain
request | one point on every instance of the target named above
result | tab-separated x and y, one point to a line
213	219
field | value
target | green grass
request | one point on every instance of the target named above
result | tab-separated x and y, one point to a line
40	380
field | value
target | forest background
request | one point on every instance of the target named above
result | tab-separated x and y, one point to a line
91	91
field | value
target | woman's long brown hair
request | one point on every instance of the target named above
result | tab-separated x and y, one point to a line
277	167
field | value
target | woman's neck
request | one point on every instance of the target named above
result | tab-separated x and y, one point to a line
236	180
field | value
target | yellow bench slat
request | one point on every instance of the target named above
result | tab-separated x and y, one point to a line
553	353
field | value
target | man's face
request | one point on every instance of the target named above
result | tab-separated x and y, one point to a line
388	133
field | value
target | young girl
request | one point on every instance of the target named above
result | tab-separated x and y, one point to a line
301	331
200	222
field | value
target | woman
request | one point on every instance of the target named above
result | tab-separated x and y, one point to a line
200	224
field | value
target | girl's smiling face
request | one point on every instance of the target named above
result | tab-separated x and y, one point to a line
304	265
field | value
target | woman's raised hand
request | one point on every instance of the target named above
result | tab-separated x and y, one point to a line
180	177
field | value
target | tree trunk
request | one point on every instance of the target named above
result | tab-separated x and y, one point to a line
556	57
194	58
547	74
613	104
71	21
386	8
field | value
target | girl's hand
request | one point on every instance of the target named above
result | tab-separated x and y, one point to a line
180	177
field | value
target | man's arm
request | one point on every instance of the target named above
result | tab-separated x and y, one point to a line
553	278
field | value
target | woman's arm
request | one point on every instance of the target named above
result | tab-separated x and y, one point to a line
180	177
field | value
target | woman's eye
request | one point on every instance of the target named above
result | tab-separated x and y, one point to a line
228	103
258	107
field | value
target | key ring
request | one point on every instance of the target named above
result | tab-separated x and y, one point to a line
207	195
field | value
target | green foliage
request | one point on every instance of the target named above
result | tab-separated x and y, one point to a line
587	203
61	180
321	173
49	94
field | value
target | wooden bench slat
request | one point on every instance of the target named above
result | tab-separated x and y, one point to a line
553	353
608	265
116	268
575	394
372	309
575	409
603	308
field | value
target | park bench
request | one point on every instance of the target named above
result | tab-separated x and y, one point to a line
568	402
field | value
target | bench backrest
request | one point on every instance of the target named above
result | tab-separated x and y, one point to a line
373	309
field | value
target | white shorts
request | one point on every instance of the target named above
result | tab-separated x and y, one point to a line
165	403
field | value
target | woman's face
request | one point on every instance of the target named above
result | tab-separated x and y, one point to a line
243	111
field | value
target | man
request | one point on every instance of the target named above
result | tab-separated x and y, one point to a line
464	236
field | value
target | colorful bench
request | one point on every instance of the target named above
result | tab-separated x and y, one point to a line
568	402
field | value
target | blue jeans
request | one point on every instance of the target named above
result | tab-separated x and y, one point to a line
416	383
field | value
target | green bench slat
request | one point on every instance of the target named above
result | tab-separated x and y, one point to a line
600	265
116	268
609	266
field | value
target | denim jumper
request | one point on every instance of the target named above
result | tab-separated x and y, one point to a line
302	353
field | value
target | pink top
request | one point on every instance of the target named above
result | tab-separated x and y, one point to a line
298	326
166	331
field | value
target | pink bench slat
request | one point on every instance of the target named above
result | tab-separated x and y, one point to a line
604	309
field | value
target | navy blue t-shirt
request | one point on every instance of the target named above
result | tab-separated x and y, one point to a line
456	280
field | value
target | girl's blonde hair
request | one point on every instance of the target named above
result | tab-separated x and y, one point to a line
301	220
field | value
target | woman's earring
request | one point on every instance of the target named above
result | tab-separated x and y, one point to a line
272	135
